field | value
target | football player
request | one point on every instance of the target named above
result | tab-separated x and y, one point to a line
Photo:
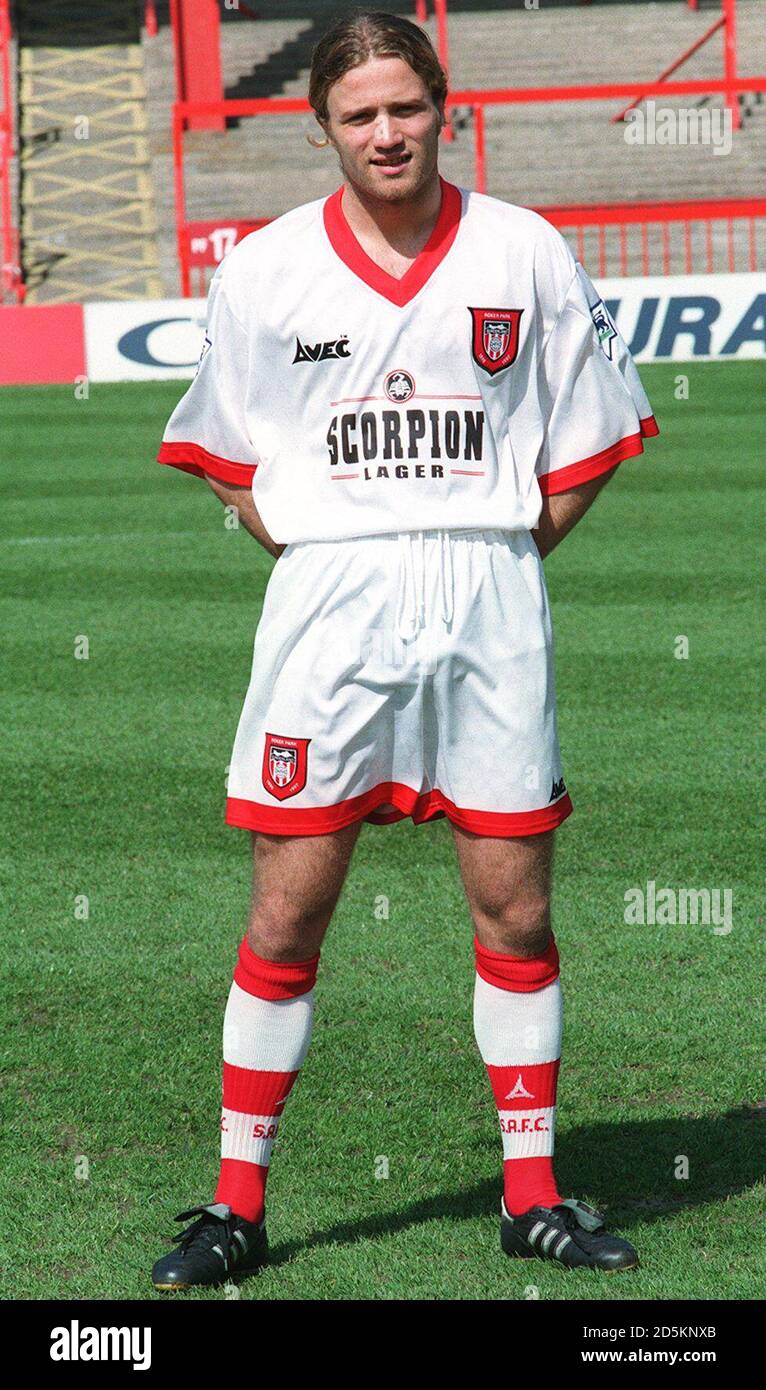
411	393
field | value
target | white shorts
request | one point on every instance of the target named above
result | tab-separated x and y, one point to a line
402	675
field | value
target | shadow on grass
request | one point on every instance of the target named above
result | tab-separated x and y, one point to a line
614	1167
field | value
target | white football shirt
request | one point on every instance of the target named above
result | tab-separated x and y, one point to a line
356	403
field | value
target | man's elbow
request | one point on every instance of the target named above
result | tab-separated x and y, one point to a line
225	492
604	477
589	491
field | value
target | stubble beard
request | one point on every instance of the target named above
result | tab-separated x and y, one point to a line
394	191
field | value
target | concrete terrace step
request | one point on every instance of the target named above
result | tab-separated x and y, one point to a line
536	154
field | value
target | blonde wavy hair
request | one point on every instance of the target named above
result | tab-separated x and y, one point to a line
369	34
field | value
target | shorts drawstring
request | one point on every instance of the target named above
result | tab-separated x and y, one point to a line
409	621
448	584
411	606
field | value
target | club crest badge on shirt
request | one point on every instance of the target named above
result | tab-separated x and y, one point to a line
285	765
495	337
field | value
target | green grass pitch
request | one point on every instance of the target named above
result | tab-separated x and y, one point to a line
113	773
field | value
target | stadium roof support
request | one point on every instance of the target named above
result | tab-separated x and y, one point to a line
197	45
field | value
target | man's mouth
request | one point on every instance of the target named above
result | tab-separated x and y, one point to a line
391	161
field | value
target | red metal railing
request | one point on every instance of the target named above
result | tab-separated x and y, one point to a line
479	100
150	19
608	238
730	59
442	32
677	63
11	285
727	21
706	212
622	233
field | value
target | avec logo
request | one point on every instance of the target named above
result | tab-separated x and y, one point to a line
319	352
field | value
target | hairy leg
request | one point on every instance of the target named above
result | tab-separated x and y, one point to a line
268	1022
517	1003
508	886
297	881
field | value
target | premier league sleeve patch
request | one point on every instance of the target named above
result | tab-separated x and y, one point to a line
495	338
206	346
285	765
604	327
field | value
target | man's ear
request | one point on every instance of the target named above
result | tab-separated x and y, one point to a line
320	142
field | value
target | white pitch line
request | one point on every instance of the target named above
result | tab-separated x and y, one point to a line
99	536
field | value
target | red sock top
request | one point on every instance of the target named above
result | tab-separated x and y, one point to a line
518	973
271	979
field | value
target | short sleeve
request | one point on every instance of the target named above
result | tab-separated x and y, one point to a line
207	432
595	409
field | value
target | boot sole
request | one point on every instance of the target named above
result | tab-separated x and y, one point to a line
236	1274
512	1246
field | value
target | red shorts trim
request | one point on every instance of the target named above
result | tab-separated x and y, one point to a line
562	479
322	820
192	458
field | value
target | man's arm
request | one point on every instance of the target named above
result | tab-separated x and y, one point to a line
242	498
562	510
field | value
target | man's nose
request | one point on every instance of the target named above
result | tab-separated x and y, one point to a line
386	131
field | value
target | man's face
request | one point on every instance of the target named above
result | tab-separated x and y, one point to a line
385	127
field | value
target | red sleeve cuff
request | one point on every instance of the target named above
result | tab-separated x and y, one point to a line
562	479
192	458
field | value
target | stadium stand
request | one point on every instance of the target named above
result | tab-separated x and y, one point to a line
539	155
543	155
88	224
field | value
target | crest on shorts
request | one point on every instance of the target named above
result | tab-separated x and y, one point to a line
285	764
495	338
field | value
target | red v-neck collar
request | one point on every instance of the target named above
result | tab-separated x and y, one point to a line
400	292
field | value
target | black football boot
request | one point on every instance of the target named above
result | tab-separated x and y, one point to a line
571	1233
217	1246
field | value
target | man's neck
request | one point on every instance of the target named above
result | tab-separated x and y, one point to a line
405	226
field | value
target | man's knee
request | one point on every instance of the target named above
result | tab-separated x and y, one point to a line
518	923
280	921
516	911
508	886
296	884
